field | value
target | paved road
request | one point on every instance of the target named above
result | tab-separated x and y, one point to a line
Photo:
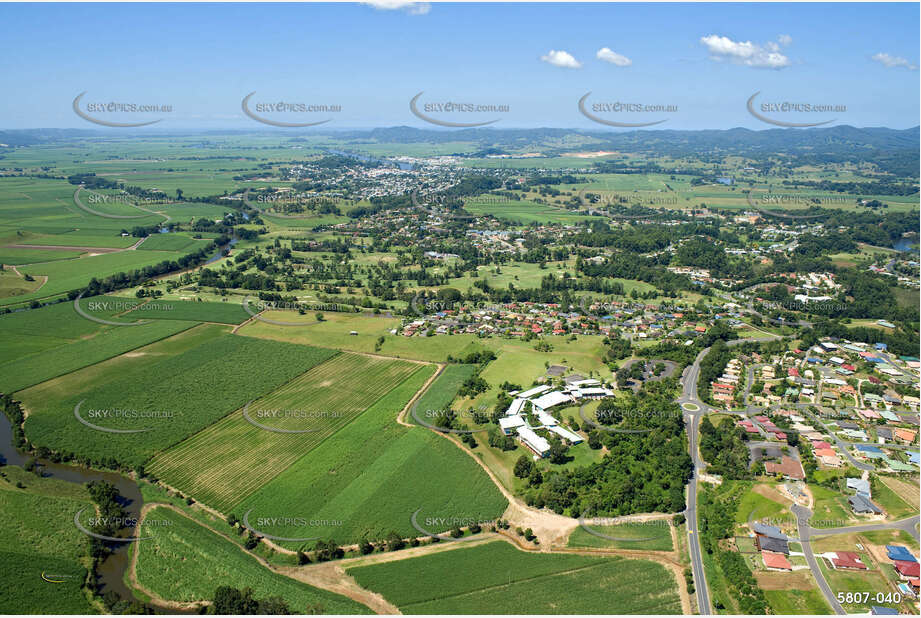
697	564
803	529
909	525
692	421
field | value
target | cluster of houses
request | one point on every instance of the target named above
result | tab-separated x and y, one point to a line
529	412
906	566
519	319
723	388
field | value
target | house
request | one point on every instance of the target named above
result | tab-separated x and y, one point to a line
860	486
847	560
788	468
862	505
906	570
778	546
768	531
899	552
905	435
776	562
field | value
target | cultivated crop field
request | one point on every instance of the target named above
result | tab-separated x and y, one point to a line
159	309
45	343
226	462
66	275
172	397
440	393
38	536
370	477
185	561
497	578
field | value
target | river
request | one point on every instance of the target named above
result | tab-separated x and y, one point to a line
111	572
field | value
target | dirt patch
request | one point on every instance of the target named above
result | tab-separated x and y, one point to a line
799	580
905	491
772	494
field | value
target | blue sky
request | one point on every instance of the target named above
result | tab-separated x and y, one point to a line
706	59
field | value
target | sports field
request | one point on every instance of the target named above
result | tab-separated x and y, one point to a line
226	462
497	578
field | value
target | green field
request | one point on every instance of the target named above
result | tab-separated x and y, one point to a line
51	341
186	562
791	601
226	462
159	309
169	396
654	535
172	242
66	275
496	578
37	536
438	396
371	476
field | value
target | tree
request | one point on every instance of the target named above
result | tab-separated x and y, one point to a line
523	467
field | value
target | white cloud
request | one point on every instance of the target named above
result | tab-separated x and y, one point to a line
410	6
893	61
746	53
785	39
561	59
613	57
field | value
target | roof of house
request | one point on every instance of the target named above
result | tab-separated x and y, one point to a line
768	531
847	560
899	552
787	467
908	569
862	505
861	486
775	545
776	561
